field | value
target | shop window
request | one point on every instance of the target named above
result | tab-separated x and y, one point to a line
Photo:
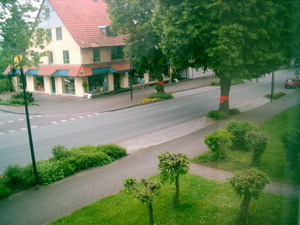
66	57
98	83
117	52
39	83
96	54
58	33
68	85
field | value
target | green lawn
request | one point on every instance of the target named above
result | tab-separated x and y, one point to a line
203	201
274	159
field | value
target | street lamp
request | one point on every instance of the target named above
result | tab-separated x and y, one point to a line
28	127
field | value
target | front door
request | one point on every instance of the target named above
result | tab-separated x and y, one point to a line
53	84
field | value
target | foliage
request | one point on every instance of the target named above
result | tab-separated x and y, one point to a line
218	142
249	184
205	201
133	20
13	175
160	95
217	115
257	142
291	141
5	84
239	129
146	196
276	95
172	166
237	39
16	18
60	152
234	111
113	150
4	189
213	83
18	99
20	95
159	87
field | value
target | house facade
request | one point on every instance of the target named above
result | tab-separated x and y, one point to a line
84	55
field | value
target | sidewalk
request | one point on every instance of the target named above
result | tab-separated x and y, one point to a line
65	196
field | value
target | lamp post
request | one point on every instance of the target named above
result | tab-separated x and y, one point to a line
29	129
272	85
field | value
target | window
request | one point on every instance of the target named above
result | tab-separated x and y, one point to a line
49	33
66	57
98	83
50	58
96	54
58	33
47	13
39	83
68	85
117	52
109	33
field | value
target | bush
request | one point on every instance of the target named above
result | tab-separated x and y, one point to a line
239	130
67	166
87	160
13	175
257	142
60	152
234	111
276	95
49	172
215	83
4	189
20	95
160	95
218	142
291	141
217	115
113	150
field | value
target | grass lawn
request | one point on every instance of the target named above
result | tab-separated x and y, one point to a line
203	201
273	161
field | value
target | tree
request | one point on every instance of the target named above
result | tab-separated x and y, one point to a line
132	18
218	142
248	184
237	39
145	196
21	36
291	141
172	166
257	142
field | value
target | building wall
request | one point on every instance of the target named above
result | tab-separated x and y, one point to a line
105	55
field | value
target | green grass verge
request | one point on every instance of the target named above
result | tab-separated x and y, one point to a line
203	201
273	161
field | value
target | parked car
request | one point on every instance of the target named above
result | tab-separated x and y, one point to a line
292	83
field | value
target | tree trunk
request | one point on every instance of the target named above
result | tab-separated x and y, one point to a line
150	210
177	201
224	98
244	207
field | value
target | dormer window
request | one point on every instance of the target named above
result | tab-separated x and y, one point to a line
107	32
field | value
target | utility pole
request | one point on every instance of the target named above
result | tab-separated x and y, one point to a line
272	85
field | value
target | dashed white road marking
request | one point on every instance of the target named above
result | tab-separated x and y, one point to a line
1	122
20	119
96	114
63	121
54	122
34	126
23	128
89	115
10	121
1	133
81	117
12	131
39	116
72	118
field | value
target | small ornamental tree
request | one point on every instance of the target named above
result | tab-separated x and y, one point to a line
146	196
257	142
291	141
248	184
172	166
218	142
239	129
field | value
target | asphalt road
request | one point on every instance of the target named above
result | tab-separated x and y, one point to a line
100	128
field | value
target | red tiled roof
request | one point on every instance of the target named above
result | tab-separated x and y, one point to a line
82	18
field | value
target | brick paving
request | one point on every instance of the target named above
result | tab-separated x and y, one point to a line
63	197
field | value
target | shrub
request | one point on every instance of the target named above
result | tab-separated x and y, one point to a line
239	130
13	175
234	111
5	85
257	142
218	142
4	189
215	83
20	95
276	95
113	150
67	165
87	160
49	172
217	115
60	152
160	95
291	141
